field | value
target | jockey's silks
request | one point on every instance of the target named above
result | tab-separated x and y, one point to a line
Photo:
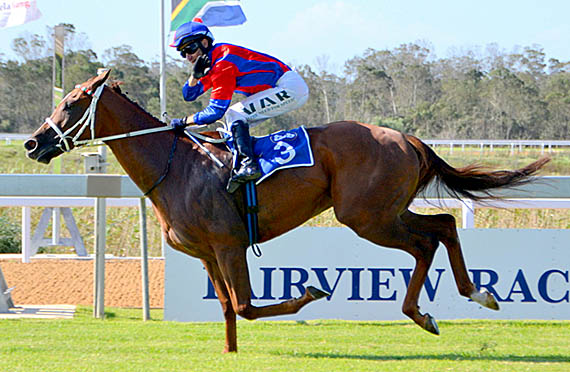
234	69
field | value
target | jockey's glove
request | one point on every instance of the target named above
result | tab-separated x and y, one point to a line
201	67
178	123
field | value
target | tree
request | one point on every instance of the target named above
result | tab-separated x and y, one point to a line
516	108
557	97
459	111
481	93
176	76
79	67
397	84
31	47
26	94
139	82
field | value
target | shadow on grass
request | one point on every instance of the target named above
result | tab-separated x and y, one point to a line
447	357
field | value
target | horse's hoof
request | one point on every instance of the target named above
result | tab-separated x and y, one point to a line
316	293
430	325
486	299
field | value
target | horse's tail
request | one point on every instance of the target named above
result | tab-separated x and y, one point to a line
464	182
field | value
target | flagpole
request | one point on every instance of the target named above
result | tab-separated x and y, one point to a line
162	62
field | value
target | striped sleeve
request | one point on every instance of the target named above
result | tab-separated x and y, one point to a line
214	111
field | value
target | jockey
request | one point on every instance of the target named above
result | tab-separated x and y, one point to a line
271	88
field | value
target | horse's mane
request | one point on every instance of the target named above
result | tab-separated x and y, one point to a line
115	86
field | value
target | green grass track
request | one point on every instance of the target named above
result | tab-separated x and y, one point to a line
122	342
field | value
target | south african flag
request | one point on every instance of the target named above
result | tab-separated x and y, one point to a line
210	12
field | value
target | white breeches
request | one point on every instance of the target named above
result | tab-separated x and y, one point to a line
290	93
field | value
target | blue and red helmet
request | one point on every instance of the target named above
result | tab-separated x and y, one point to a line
189	32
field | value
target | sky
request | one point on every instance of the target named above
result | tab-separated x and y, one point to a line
321	33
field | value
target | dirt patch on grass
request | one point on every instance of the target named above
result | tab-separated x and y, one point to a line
70	281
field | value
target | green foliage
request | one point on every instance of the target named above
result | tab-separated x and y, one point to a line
502	96
79	67
10	233
25	89
394	123
496	94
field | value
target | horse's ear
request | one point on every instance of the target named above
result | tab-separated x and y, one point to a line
101	78
116	86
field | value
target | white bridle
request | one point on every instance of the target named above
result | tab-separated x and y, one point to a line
88	120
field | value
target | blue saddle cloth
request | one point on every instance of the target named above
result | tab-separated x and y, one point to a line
281	150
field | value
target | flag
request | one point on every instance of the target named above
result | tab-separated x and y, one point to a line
210	12
18	12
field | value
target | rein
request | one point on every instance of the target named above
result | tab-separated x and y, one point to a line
88	120
192	136
165	173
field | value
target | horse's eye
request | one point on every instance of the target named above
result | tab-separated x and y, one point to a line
66	106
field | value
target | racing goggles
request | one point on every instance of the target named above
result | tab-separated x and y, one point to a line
190	48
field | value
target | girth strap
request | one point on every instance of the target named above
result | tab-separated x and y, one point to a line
251	214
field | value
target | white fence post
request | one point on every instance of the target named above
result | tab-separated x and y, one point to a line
99	261
26	234
144	260
100	238
468	214
56	226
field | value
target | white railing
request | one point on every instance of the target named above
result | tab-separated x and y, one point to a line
28	191
552	192
468	207
40	188
491	144
451	143
47	190
7	138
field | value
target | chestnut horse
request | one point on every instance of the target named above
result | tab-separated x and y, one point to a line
368	174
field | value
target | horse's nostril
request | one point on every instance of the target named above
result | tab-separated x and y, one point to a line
31	144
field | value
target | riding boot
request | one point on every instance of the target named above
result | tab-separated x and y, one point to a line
247	168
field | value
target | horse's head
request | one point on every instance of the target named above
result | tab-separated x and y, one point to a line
68	122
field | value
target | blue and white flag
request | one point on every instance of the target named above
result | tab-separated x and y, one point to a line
18	12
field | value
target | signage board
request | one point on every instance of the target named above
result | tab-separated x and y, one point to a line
526	270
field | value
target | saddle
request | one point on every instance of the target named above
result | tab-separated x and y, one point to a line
279	150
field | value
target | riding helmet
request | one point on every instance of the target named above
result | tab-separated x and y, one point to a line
189	32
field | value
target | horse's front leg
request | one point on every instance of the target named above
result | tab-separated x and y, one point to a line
233	266
227	308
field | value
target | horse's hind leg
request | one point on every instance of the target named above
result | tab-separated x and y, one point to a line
444	228
421	245
423	251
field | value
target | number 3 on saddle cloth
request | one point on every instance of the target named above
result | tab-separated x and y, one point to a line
280	150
